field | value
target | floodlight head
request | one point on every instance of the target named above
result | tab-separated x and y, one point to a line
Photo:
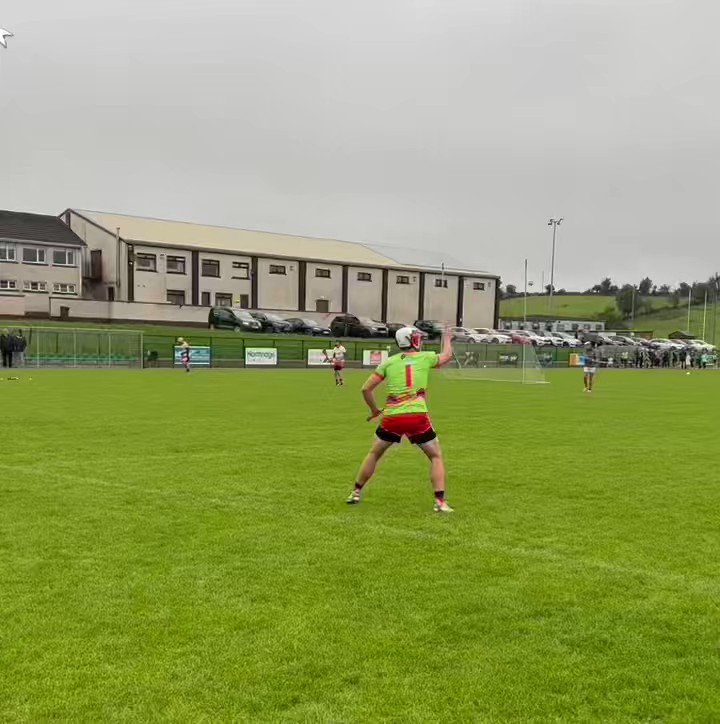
560	220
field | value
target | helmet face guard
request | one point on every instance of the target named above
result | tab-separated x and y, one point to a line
408	338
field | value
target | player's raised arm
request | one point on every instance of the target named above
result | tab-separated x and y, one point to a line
446	352
368	393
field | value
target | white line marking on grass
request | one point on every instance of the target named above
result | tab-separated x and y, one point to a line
703	586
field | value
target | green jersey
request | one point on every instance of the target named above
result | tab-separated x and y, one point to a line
406	375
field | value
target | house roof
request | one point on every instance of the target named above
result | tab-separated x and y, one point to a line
265	243
21	226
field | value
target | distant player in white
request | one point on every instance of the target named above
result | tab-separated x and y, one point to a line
589	371
184	353
337	359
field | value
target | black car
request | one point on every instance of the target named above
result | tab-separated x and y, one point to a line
431	327
271	322
393	327
348	325
308	326
239	320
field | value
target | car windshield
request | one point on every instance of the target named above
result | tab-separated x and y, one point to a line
311	323
274	318
370	322
242	314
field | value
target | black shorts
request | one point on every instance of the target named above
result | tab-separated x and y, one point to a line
417	428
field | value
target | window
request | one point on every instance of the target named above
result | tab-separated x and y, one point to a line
402	279
479	286
244	301
277	269
8	285
176	297
32	255
364	277
62	288
146	262
322	305
223	300
63	257
7	251
175	265
323	273
441	283
205	299
35	286
211	268
242	270
111	294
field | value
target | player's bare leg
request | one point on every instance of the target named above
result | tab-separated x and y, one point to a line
437	474
367	469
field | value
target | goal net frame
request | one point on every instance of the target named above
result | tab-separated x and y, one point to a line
516	363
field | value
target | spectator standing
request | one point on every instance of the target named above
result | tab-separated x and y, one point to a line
20	347
5	350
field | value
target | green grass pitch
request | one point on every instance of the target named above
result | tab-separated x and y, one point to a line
177	547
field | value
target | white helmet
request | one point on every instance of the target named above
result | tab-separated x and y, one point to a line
408	337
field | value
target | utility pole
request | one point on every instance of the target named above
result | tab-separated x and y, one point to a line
554	223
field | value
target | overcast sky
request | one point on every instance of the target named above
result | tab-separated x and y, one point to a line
453	124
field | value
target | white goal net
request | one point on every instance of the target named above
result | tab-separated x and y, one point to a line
496	363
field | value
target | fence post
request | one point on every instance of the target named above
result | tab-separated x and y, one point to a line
74	348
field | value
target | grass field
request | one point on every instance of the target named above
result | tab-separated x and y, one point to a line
178	547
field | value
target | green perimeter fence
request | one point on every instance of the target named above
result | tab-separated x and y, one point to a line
62	347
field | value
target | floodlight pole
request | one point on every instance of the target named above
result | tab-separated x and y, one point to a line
689	300
554	223
704	313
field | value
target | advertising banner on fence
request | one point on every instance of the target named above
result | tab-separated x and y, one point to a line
318	357
260	356
374	357
199	356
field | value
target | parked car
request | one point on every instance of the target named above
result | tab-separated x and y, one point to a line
516	337
465	335
393	327
537	339
348	325
625	340
239	320
662	343
568	340
700	345
308	326
431	327
271	322
493	336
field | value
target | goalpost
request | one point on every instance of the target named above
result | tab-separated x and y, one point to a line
496	363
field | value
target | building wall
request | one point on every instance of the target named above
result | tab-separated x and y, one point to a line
323	288
403	298
129	311
48	272
11	305
365	298
277	291
441	303
104	241
230	281
478	305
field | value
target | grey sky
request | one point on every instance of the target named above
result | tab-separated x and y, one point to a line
454	124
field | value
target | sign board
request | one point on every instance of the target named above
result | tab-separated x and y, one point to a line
199	356
261	356
318	357
374	357
575	360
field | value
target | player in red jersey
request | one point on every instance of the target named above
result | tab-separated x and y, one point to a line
405	413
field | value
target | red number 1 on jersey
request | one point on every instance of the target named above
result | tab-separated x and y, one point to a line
408	376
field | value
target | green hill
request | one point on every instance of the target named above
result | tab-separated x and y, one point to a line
574	306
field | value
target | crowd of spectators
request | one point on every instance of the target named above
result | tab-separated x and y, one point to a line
12	348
